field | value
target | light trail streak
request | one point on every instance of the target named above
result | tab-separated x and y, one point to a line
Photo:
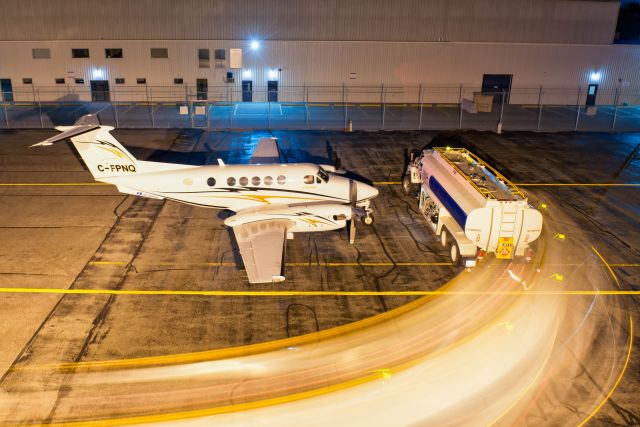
615	385
607	265
311	293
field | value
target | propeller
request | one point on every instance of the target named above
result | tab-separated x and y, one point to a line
353	199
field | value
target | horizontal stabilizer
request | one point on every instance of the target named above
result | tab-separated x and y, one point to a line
68	133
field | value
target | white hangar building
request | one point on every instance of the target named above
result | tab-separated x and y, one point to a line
213	48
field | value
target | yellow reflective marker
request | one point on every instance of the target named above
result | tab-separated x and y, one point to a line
557	277
543	207
560	236
385	374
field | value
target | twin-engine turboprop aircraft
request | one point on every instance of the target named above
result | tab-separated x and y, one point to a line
272	200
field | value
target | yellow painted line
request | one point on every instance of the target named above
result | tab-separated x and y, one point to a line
387	183
447	105
220	293
615	385
607	265
53	184
569	184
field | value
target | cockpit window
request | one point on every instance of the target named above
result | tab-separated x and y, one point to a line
308	179
323	175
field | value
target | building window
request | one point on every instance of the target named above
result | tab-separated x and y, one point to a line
268	180
203	58
113	53
141	81
282	179
79	53
211	182
41	53
231	181
178	81
220	55
79	81
59	81
255	181
119	80
27	81
159	52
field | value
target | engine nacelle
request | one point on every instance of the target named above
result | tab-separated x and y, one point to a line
305	218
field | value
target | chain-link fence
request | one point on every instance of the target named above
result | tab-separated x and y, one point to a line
328	107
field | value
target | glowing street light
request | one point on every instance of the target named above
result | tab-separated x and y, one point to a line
254	45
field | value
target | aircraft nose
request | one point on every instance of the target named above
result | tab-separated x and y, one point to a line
366	191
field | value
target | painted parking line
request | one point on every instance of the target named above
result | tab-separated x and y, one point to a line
539	184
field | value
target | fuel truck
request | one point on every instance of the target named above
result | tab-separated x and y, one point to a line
472	208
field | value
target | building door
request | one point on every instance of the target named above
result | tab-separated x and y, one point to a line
247	91
100	90
202	89
272	88
496	83
6	89
591	94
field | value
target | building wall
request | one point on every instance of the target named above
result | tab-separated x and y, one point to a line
532	21
328	63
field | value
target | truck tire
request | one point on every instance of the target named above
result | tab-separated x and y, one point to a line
409	188
444	239
454	254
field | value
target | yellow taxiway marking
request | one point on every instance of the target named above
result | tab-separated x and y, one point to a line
530	184
607	265
304	293
51	184
325	264
615	385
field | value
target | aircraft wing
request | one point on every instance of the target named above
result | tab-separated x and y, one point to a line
266	152
262	246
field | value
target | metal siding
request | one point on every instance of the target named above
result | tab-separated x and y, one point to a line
559	21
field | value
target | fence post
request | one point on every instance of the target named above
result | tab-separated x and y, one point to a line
460	108
420	103
115	108
575	128
499	129
539	108
6	117
40	110
305	101
382	101
149	102
615	109
344	102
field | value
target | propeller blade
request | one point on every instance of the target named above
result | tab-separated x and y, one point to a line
353	193
352	230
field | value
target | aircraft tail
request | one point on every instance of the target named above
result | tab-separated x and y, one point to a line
104	156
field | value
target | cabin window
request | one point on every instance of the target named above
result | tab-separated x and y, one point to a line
268	180
244	181
318	180
281	179
211	182
308	179
255	181
231	181
322	174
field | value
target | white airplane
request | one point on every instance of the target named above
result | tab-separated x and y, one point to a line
272	200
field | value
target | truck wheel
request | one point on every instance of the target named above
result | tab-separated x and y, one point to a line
407	186
443	238
455	254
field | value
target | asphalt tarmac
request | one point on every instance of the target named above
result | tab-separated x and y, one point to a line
64	233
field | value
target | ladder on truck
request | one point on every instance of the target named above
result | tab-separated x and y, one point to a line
508	219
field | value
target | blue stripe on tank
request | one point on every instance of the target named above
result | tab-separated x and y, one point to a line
454	209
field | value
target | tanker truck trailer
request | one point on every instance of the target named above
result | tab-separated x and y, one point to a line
471	206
